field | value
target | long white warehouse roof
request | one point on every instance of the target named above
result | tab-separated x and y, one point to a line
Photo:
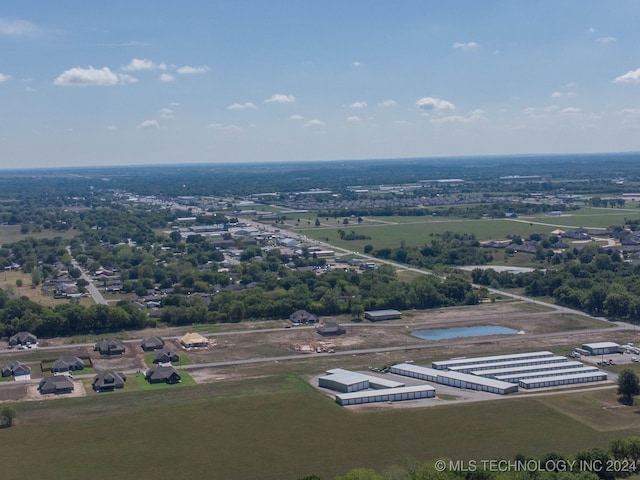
442	364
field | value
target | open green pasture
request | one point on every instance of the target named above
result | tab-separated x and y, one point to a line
11	234
390	232
417	230
273	428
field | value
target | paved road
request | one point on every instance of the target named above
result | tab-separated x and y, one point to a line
97	296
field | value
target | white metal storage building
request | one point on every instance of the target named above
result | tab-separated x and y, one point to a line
507	364
447	364
516	377
601	348
528	368
386	395
346	381
454	379
562	380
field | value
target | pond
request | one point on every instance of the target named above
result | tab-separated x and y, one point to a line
477	331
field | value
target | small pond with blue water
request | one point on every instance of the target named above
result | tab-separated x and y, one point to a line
477	331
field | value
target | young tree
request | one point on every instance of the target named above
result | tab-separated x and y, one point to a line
628	385
7	416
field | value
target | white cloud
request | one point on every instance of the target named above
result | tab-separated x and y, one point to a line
222	127
280	98
4	78
356	64
632	76
431	104
571	110
474	116
632	112
85	77
187	70
388	103
314	123
465	45
401	122
167	114
111	127
556	94
137	64
167	78
538	111
358	105
591	30
606	40
18	28
353	118
242	106
149	124
296	117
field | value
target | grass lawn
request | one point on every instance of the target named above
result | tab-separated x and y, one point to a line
276	428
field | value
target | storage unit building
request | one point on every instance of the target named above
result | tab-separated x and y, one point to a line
527	368
386	395
377	315
344	381
447	364
454	379
516	377
531	383
507	364
473	382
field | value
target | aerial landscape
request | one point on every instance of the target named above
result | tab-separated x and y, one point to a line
334	240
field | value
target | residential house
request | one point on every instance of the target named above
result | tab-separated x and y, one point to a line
16	369
162	374
108	381
302	316
56	384
109	347
330	329
166	356
23	338
67	363
152	343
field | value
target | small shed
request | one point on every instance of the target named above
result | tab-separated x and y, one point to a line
378	315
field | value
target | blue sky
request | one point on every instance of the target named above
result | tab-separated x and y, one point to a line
160	82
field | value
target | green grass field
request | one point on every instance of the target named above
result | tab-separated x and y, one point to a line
276	427
391	231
